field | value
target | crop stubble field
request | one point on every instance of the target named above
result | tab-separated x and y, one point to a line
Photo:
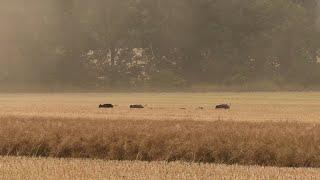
38	169
253	107
269	129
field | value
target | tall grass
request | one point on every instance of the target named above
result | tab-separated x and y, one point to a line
246	143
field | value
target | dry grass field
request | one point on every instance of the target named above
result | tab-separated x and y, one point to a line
246	143
291	106
38	169
268	129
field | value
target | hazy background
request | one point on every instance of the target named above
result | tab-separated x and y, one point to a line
165	44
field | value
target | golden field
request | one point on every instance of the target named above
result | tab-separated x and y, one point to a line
38	169
290	106
247	143
267	129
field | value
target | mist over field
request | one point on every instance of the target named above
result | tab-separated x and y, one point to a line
159	44
128	89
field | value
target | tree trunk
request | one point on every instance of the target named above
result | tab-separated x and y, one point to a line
112	65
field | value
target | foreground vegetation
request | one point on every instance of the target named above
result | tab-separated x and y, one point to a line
33	168
266	143
269	129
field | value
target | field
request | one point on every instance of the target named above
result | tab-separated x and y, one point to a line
38	169
267	129
253	107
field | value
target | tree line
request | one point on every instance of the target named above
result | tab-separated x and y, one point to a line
159	43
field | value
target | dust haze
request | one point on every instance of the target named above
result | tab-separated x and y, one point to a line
159	44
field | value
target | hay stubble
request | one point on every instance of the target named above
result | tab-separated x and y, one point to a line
38	169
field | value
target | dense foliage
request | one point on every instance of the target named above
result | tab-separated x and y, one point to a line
159	43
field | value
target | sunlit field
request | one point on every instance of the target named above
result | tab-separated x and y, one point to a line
302	107
32	168
171	137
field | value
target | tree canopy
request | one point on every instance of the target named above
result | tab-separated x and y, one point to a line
159	43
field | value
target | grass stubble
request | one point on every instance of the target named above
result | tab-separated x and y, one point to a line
52	168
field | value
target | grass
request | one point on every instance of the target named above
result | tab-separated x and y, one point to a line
267	129
247	143
42	168
255	107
